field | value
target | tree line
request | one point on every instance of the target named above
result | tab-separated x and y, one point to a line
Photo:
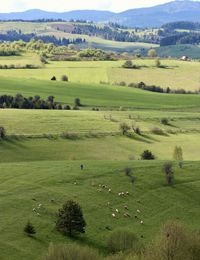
20	102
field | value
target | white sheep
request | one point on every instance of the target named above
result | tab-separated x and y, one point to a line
117	210
113	215
109	190
138	211
142	222
38	214
126	207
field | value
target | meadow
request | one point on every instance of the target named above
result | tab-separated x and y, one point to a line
175	74
41	156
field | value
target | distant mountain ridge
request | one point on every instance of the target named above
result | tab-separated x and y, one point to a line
179	10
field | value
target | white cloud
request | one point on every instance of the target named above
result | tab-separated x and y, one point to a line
65	5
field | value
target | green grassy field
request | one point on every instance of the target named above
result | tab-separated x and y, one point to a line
95	95
40	165
23	189
176	75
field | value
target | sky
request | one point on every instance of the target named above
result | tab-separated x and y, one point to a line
66	5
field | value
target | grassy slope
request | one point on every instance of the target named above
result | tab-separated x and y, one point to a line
98	95
51	179
177	74
94	42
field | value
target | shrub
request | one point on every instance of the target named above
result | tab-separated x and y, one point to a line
164	121
147	155
53	78
173	242
152	53
2	133
129	65
70	220
71	252
64	78
123	240
157	131
77	102
124	128
137	130
29	229
158	63
67	107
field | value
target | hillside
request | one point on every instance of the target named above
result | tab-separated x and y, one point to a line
141	17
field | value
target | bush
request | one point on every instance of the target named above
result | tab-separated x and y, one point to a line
164	121
77	102
29	229
124	128
53	78
129	65
2	133
70	220
167	168
123	240
67	107
147	155
71	252
157	131
64	78
137	130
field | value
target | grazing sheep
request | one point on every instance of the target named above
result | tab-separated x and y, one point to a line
109	190
117	210
108	203
126	207
127	215
138	211
38	214
142	222
113	215
34	209
127	193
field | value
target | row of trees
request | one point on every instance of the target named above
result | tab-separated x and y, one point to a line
36	102
16	36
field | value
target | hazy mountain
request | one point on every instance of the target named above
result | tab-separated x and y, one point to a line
143	17
90	15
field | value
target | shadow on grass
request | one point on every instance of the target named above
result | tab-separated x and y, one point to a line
9	142
89	242
139	138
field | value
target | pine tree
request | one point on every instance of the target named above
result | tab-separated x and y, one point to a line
29	229
70	219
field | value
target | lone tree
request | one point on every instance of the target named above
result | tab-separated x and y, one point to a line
2	133
124	128
167	169
178	155
147	155
152	53
70	220
29	229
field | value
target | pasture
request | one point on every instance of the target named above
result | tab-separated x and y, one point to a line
41	156
176	74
